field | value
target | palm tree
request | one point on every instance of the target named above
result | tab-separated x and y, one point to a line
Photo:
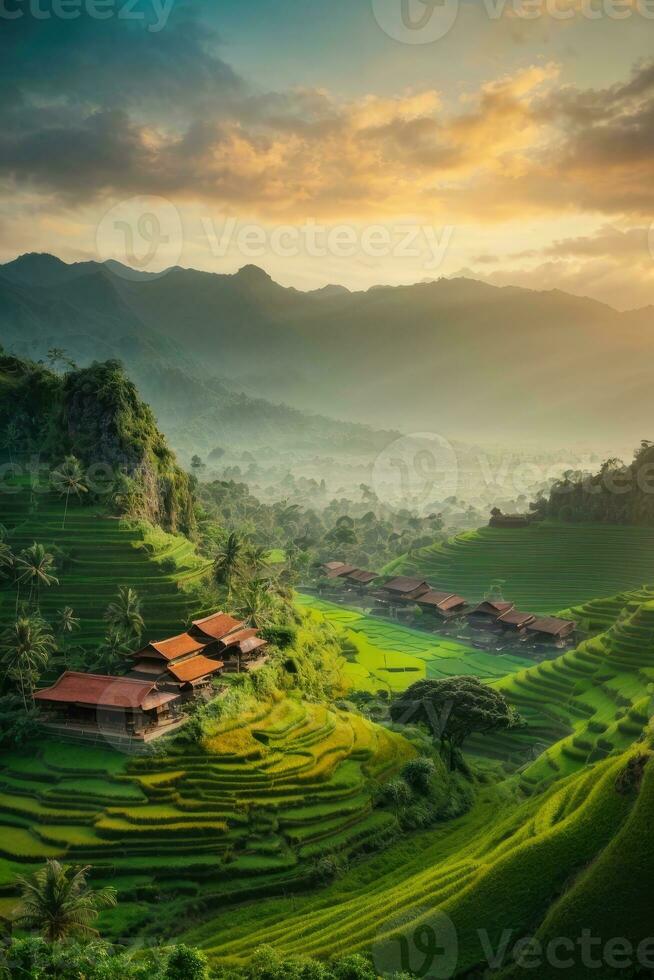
115	650
67	622
25	649
34	566
124	614
6	559
69	478
227	561
254	601
59	903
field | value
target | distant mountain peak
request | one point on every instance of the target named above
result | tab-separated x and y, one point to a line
253	274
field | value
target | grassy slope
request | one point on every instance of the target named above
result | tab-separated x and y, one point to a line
545	568
504	865
393	657
194	826
103	553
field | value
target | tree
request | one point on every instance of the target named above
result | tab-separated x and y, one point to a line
255	602
69	478
12	438
197	463
114	651
453	709
185	963
67	622
25	649
227	561
6	560
58	902
34	566
124	614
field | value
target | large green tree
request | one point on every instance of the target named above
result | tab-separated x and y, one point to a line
34	567
453	709
25	649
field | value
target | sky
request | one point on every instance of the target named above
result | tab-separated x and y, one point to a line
352	141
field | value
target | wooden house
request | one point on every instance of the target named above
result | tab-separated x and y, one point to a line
228	640
89	704
404	589
177	664
487	613
515	621
550	629
445	605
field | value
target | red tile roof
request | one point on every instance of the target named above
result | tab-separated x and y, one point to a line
193	669
216	626
174	648
99	690
254	643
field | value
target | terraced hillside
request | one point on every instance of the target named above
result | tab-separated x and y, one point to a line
580	856
591	702
388	656
544	568
247	814
99	555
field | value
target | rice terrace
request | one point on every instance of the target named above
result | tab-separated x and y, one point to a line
326	490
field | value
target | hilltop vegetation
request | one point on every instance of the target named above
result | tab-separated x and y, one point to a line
616	494
96	415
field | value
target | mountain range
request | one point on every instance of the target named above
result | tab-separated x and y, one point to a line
456	356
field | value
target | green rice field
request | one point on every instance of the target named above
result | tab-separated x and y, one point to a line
542	568
248	812
390	657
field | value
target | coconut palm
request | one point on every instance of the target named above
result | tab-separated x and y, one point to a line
114	651
25	649
11	438
6	559
227	561
69	478
124	614
33	567
67	623
255	602
58	902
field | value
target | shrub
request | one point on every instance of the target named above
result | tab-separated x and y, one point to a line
418	773
329	867
185	963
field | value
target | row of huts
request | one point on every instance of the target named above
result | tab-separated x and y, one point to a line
165	675
404	591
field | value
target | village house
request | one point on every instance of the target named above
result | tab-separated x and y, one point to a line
337	569
515	621
179	665
445	605
550	629
125	707
405	589
487	613
229	641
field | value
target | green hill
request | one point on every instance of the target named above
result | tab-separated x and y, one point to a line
550	866
544	568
